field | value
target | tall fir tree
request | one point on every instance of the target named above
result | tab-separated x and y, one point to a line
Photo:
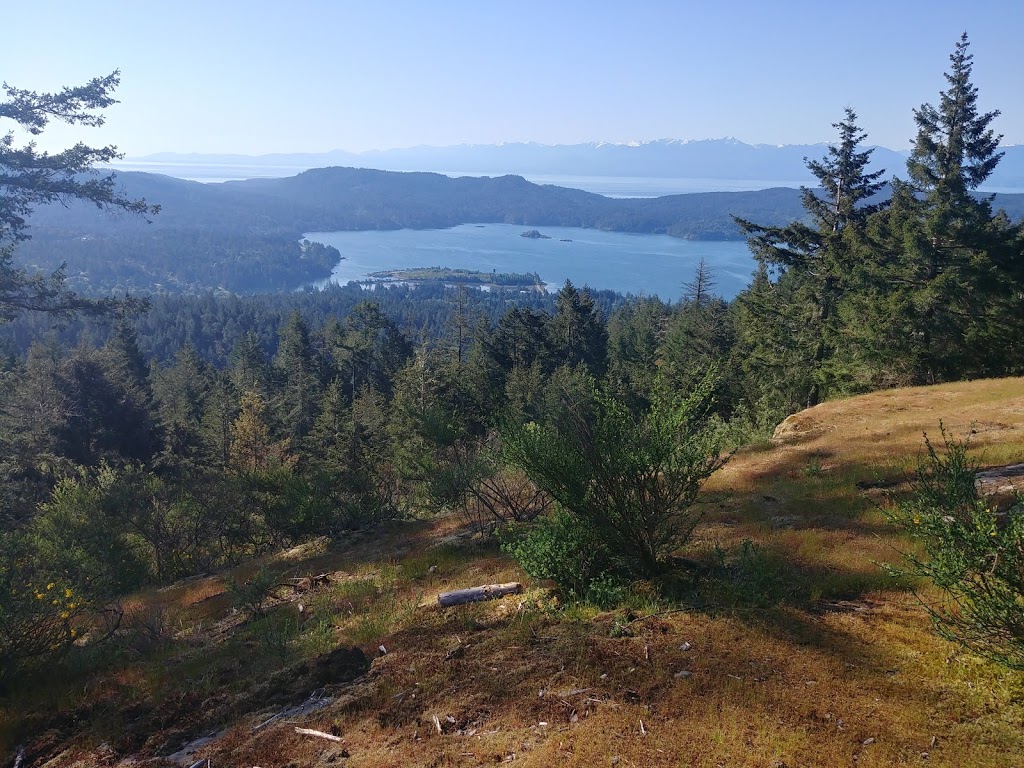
577	330
814	260
945	277
298	369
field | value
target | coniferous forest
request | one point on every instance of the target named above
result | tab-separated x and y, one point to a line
143	441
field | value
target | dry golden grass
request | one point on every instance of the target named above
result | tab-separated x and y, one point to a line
812	657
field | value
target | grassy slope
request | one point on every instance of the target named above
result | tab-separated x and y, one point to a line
837	664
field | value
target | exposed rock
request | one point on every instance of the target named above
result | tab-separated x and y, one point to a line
533	234
799	426
1001	480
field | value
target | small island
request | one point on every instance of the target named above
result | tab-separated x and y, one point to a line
533	234
445	275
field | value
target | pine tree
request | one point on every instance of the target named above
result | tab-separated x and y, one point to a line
577	330
946	272
299	371
817	258
181	390
31	178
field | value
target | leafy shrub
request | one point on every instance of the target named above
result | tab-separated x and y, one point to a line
628	477
560	548
86	531
38	610
971	552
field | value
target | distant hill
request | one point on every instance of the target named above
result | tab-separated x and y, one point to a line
666	158
243	236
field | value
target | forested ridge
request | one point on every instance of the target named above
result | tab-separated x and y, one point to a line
142	442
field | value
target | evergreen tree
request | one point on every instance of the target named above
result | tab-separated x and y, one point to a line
30	178
770	353
219	413
299	371
817	258
181	391
367	349
699	290
577	331
131	406
253	450
520	339
946	271
635	333
250	371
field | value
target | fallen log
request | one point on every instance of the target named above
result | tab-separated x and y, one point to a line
476	594
318	734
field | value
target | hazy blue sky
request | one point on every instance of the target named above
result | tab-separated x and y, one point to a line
304	75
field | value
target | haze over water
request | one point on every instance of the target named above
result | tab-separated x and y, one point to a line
628	263
609	186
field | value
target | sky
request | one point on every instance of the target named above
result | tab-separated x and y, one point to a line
256	77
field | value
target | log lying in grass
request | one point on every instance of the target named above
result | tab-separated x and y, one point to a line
318	734
476	594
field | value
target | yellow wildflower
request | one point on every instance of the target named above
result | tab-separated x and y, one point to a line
68	593
49	586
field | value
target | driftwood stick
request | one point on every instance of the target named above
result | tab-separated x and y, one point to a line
318	734
475	594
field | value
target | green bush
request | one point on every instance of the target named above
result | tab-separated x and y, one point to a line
38	610
628	477
560	548
971	552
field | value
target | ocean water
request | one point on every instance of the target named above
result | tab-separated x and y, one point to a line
649	265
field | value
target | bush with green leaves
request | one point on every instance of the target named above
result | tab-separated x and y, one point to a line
38	610
973	553
629	477
560	547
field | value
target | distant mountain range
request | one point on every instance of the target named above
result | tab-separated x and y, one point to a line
666	158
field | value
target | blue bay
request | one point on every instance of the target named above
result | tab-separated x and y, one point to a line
646	265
